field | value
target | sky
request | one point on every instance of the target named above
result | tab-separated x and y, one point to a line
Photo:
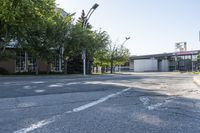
153	25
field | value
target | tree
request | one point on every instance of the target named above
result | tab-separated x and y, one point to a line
198	62
34	36
26	21
36	26
79	38
18	16
40	29
118	55
82	19
61	35
93	41
102	40
113	54
8	22
46	39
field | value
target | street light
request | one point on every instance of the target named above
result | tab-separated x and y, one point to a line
126	39
90	12
85	24
199	36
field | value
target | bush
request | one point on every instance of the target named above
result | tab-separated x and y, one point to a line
196	72
3	71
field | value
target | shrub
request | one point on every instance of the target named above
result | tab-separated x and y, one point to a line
3	71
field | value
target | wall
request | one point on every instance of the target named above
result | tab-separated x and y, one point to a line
165	66
145	65
8	65
131	65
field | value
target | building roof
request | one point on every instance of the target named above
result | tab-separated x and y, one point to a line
11	44
194	52
62	11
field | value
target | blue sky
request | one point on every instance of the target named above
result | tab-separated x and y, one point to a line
153	25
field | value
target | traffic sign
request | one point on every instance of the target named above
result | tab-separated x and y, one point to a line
84	53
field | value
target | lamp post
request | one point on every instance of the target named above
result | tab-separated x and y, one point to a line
126	39
85	24
199	36
90	12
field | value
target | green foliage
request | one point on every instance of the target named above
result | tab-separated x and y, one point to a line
19	17
198	56
36	25
111	55
82	21
101	57
41	30
195	72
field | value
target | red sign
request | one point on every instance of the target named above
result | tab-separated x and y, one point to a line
186	53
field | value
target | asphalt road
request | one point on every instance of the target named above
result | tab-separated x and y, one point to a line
126	103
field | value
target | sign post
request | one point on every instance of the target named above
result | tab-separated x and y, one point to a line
84	58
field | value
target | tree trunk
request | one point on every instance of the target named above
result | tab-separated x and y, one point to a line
96	69
37	67
88	67
65	66
102	69
49	68
2	50
111	65
93	69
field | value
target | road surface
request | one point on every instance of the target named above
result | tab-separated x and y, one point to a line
126	103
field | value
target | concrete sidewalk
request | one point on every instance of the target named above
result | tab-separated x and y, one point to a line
196	79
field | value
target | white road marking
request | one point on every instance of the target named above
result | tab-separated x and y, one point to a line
75	110
73	83
39	91
34	126
107	83
38	82
155	106
27	87
98	101
8	83
55	85
145	100
25	105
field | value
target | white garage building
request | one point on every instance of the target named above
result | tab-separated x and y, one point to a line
182	61
145	65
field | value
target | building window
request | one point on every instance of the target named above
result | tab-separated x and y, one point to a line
31	63
20	61
55	65
194	57
188	57
25	62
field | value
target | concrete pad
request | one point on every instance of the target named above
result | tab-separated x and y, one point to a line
196	79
